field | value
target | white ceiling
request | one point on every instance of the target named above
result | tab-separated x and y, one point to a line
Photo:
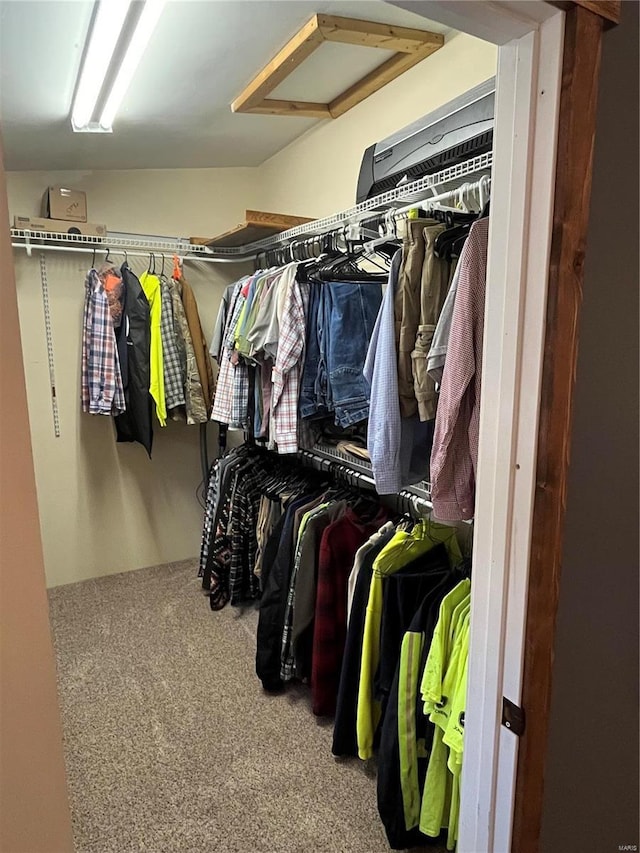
176	112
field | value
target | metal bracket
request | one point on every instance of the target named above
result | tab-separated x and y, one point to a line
513	717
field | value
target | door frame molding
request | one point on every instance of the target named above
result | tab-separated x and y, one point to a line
576	135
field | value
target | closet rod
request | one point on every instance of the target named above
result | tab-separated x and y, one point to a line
327	455
482	186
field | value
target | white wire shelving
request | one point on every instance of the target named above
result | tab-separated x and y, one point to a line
141	245
421	189
137	245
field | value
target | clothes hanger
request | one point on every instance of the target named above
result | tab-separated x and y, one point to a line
344	268
445	243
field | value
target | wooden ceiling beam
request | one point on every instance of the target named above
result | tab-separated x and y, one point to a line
293	54
372	34
302	109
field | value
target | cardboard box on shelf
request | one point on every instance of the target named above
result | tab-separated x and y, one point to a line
62	203
59	226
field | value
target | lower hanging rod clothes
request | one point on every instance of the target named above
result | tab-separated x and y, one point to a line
369	609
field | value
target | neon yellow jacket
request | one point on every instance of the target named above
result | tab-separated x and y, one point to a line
151	286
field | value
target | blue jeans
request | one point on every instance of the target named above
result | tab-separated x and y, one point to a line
312	402
353	308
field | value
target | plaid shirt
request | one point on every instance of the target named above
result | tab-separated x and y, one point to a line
454	455
240	394
338	547
243	584
224	392
288	364
174	366
209	512
101	380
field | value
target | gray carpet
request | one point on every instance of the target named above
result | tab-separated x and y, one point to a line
171	743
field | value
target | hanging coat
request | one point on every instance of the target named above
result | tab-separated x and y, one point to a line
134	334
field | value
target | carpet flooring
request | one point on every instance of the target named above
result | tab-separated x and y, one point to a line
171	744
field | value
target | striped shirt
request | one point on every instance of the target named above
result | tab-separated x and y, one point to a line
287	368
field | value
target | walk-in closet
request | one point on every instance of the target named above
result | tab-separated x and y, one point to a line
290	399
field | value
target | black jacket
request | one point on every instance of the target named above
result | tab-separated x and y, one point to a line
276	575
134	345
390	798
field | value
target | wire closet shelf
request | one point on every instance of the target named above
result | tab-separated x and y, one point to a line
139	245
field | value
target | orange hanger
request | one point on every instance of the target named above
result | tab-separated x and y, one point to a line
177	269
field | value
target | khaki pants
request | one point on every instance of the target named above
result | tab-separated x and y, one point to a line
407	311
433	292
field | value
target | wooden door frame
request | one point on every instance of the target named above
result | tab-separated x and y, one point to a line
581	69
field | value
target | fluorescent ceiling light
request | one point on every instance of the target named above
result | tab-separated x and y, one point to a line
139	41
105	36
105	32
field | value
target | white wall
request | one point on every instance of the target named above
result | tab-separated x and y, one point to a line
104	507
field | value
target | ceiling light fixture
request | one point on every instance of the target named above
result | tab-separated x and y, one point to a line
106	34
139	41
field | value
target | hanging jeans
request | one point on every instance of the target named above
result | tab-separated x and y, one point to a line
353	308
313	386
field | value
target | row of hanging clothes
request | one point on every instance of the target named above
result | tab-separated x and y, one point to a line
374	343
287	369
143	349
363	603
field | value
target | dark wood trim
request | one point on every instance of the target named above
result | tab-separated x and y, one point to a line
607	9
576	134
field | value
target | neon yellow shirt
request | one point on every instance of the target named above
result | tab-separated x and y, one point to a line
151	286
441	644
399	552
440	797
454	739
